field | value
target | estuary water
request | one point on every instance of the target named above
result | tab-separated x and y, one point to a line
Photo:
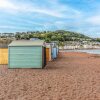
91	51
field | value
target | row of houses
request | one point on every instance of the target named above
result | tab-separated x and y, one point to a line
80	45
28	54
7	35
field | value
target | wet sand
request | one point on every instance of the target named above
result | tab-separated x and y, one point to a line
72	76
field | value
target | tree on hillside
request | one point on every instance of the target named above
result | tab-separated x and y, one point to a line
18	36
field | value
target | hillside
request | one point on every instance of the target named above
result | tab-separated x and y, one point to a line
48	36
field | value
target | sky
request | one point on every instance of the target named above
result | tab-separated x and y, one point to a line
38	15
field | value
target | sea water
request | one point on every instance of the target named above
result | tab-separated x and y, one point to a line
91	51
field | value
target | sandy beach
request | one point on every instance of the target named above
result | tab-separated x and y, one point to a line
72	76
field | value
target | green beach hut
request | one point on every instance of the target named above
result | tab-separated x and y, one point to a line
26	54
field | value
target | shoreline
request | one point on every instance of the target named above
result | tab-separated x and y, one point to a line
82	49
81	52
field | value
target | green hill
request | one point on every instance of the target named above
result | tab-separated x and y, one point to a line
48	36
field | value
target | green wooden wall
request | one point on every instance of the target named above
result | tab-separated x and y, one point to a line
25	57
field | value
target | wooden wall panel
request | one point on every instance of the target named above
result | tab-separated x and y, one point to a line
3	55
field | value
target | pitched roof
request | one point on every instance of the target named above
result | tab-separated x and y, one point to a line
27	43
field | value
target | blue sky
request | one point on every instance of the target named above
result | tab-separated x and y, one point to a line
31	15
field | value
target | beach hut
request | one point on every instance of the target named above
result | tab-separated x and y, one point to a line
3	56
34	39
3	52
27	54
48	52
55	50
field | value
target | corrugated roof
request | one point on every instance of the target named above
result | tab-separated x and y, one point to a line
27	43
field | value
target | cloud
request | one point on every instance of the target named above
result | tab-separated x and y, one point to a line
6	4
51	9
9	6
5	26
94	20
